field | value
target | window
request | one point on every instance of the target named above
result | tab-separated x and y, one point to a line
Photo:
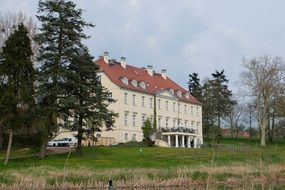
166	121
109	95
126	136
174	122
126	98
185	123
99	78
159	107
126	118
197	110
185	109
142	85
134	137
192	124
192	111
198	125
179	122
179	94
143	98
150	103
143	119
125	80
173	107
134	119
166	105
134	83
159	121
187	95
134	99
151	118
178	107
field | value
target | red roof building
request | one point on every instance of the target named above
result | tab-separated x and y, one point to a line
137	90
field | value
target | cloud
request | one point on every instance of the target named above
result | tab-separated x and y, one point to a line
182	36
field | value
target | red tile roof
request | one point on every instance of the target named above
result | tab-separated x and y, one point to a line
153	84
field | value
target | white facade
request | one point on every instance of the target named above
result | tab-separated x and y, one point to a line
134	106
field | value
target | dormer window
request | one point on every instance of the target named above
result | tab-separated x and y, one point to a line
125	80
142	85
187	95
179	93
171	91
134	83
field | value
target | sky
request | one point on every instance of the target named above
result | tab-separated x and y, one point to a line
181	36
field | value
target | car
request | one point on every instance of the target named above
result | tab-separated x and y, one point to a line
53	143
67	142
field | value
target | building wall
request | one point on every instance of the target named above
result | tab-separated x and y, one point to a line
134	107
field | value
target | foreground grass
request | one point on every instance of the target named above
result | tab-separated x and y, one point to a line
146	166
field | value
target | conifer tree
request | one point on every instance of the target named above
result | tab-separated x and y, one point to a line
222	101
17	78
87	99
60	37
194	86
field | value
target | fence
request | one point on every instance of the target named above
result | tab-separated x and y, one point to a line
230	147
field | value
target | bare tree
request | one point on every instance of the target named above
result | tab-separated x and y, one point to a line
9	22
233	118
263	77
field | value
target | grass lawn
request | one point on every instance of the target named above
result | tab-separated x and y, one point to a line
127	164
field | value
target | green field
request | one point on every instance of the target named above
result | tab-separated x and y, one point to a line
126	164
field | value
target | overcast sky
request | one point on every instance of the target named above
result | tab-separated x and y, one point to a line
182	36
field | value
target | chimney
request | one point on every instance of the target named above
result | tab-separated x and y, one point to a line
106	57
163	73
149	70
123	62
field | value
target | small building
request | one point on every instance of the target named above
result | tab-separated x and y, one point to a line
136	91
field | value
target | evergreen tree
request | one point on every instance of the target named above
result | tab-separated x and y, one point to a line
222	96
17	78
60	37
194	86
87	98
147	131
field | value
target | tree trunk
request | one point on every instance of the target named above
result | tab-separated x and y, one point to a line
219	121
262	131
9	146
43	146
1	138
271	134
79	135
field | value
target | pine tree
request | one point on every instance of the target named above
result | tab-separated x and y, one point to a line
222	96
87	99
194	86
17	78
60	37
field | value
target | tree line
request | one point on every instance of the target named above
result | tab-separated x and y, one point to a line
261	100
58	79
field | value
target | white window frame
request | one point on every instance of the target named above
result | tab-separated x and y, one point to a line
126	98
166	106
134	119
134	100
166	121
159	103
126	115
143	101
126	136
